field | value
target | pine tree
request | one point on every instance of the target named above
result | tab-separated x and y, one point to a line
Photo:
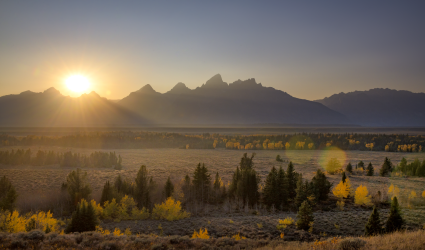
369	169
373	226
144	187
187	188
282	188
361	165
349	168
8	194
395	221
292	178
245	181
321	186
77	185
218	188
344	177
301	191
279	159
169	188
83	219
305	216
108	193
387	167
201	183
270	191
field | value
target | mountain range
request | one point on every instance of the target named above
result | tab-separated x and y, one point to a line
214	103
380	107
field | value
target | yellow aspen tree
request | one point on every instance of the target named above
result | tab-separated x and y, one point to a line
341	190
394	191
423	194
362	196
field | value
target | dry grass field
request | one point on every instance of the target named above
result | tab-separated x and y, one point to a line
176	163
37	186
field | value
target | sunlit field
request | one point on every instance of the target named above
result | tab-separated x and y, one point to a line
37	185
176	163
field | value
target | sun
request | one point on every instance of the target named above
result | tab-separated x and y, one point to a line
77	83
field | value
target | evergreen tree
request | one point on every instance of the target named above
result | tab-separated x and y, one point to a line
344	177
8	194
187	189
403	164
144	187
279	159
321	186
108	193
369	169
218	188
349	168
373	226
245	181
270	190
361	165
169	188
304	216
77	185
387	167
395	221
282	188
420	171
201	183
83	219
292	178
301	191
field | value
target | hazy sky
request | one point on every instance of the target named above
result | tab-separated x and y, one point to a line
310	49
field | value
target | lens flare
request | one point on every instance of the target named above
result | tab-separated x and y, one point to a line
330	154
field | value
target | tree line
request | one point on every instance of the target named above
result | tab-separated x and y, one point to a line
67	159
300	141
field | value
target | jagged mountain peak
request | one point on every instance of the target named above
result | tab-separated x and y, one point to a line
52	91
179	88
215	82
147	89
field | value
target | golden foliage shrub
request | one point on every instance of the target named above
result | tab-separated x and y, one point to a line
238	237
169	210
342	190
362	196
125	210
12	222
203	234
393	191
285	223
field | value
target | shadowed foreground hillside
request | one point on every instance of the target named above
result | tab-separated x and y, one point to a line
91	240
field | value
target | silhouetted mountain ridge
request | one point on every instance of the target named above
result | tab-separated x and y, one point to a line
380	107
51	108
217	102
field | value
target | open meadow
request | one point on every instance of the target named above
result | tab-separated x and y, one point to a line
37	187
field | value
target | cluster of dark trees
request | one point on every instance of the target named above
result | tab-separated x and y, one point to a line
394	222
67	159
301	141
415	168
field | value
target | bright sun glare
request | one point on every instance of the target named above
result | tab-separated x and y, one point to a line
77	83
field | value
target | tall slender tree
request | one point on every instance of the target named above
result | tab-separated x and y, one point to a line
201	183
144	187
8	194
271	189
373	226
168	188
369	169
395	221
292	177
